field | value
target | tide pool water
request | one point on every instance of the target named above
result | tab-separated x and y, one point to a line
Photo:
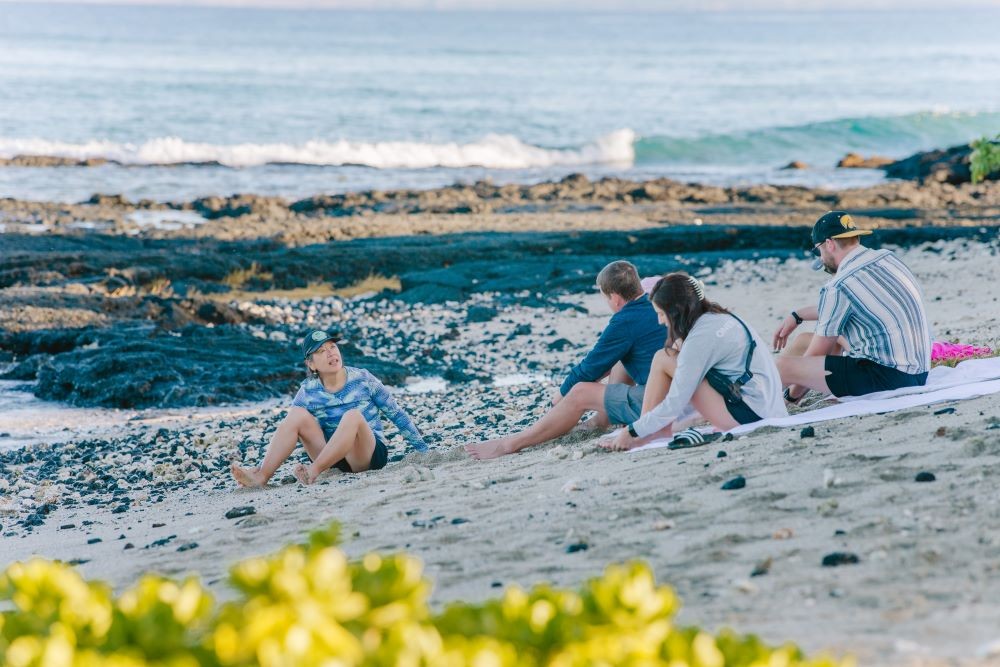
197	101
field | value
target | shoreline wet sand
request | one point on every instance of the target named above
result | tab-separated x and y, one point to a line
926	550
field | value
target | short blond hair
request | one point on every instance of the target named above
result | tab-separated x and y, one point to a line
621	278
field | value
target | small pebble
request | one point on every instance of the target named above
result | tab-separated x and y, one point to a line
945	411
577	546
761	568
496	584
807	432
925	477
721	454
737	482
188	547
840	558
93	540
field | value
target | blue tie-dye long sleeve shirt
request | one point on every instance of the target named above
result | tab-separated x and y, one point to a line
362	392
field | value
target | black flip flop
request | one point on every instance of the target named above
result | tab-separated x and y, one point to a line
692	437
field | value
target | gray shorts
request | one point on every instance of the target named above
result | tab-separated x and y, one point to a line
623	402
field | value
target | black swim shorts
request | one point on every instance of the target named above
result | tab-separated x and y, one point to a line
852	376
379	458
732	396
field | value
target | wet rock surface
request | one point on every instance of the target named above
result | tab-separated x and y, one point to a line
951	166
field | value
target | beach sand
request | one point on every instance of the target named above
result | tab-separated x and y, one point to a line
925	592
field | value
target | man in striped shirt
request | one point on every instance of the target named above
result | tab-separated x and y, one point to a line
872	332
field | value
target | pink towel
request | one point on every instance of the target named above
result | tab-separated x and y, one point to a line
942	351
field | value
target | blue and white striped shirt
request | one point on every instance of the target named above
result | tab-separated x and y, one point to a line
362	392
875	303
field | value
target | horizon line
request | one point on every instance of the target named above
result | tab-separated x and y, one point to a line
535	7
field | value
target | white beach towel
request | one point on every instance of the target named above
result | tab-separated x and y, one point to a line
968	379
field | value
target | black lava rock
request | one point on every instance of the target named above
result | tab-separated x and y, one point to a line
559	344
237	512
480	314
577	546
807	432
945	411
737	482
721	454
838	558
925	477
188	547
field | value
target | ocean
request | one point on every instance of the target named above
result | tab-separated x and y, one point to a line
202	101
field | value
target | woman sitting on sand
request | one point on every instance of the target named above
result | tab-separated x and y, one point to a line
712	360
335	415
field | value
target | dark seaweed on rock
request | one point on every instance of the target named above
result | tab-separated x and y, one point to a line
431	269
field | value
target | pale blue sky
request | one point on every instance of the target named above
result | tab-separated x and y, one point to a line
607	5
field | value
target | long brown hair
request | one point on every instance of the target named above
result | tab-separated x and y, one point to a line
682	298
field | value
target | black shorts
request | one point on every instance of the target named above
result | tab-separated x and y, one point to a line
730	392
379	458
852	376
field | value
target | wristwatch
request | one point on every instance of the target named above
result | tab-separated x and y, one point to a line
798	320
631	431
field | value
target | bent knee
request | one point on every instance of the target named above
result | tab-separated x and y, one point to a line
353	415
583	392
298	415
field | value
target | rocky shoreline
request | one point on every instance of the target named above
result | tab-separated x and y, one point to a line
153	492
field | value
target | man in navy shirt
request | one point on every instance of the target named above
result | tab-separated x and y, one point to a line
623	354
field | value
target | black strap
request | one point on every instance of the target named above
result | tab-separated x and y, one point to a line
751	346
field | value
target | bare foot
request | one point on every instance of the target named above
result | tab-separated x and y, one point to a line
249	477
491	449
301	472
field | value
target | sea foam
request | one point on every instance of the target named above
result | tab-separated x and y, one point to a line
494	151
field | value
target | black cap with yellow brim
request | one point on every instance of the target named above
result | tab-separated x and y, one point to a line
833	225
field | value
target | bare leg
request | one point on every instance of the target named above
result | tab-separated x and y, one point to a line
353	440
708	402
558	421
619	375
796	350
599	421
297	425
712	407
661	374
808	372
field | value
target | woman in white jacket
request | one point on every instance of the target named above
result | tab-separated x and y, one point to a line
712	361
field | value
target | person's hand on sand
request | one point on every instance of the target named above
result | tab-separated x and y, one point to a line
788	325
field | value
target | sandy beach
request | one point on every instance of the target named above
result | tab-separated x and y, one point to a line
924	592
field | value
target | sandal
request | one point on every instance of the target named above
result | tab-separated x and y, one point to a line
793	401
692	437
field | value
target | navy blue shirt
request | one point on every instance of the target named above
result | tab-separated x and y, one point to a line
633	336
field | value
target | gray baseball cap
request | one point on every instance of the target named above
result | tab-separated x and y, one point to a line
314	339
